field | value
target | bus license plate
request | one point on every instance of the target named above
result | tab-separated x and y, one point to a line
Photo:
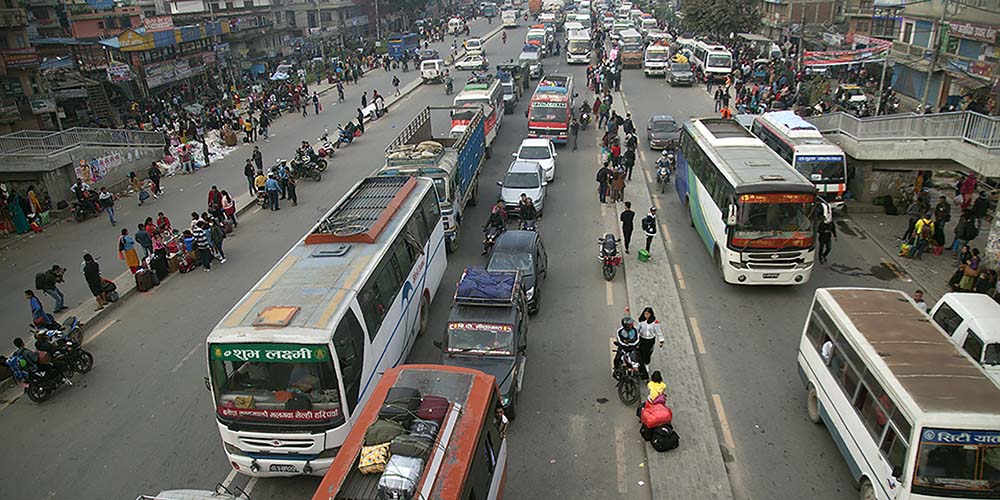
283	468
771	276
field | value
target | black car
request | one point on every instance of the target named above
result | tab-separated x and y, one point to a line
662	132
522	251
680	74
425	54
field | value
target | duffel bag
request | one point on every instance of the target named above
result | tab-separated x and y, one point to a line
400	405
655	415
433	408
399	481
410	446
665	438
427	429
382	431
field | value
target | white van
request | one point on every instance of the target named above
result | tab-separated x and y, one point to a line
972	321
455	25
432	70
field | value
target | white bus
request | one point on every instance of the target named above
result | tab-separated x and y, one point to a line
577	48
802	145
714	61
912	414
292	364
755	214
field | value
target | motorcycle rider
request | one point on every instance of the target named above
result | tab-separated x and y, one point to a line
526	208
665	161
42	344
307	150
627	337
497	220
448	83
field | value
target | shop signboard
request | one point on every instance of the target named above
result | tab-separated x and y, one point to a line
158	23
25	57
971	31
160	73
119	73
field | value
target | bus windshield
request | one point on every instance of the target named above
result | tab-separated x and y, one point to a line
548	112
720	61
274	383
958	463
480	338
823	169
774	220
657	55
578	46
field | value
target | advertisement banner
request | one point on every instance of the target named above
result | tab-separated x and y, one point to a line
97	168
284	415
971	31
160	73
119	73
841	57
271	353
25	57
158	23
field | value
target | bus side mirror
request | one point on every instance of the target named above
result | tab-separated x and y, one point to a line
731	216
208	386
439	344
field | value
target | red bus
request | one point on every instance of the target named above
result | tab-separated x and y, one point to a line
551	108
468	458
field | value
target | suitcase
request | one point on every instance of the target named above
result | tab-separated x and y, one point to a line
433	408
427	429
160	267
400	405
143	280
399	481
410	446
173	263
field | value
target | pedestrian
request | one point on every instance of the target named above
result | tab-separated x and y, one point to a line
727	114
217	234
186	160
617	184
650	334
258	158
924	236
272	187
574	129
603	178
126	251
249	172
145	240
290	184
942	214
918	299
364	99
628	162
395	83
316	106
649	226
627	125
966	189
202	245
107	201
965	230
229	208
970	272
163	225
979	208
340	91
913	210
48	282
827	231
154	177
92	275
265	125
361	121
718	99
627	217
215	202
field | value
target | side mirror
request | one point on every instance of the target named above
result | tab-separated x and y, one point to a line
514	154
500	183
731	216
522	349
555	155
545	183
208	386
439	344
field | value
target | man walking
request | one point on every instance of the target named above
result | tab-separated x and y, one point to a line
144	240
395	83
603	177
628	161
364	99
649	226
258	158
574	129
265	123
249	173
827	232
272	188
154	177
361	120
340	91
626	218
315	100
107	200
203	245
46	282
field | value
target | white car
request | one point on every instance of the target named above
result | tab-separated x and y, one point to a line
474	46
541	151
523	177
471	62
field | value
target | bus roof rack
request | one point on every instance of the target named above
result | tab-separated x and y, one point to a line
362	216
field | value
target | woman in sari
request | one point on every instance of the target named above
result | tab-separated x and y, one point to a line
126	251
36	206
17	214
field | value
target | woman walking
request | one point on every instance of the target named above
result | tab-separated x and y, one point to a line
92	275
229	208
126	251
649	334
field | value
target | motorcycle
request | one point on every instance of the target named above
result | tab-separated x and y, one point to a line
83	211
326	146
626	371
448	86
304	167
69	340
608	255
345	135
41	383
492	232
664	168
70	329
584	120
528	225
262	198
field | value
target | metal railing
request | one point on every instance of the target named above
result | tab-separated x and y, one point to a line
37	143
967	126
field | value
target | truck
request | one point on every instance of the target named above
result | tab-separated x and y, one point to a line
488	329
453	161
550	108
656	59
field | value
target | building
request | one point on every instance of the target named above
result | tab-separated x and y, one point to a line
20	100
781	18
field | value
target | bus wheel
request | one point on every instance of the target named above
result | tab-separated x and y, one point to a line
489	152
687	205
451	246
474	200
718	261
812	405
867	490
424	313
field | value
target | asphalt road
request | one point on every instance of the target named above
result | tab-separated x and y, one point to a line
142	420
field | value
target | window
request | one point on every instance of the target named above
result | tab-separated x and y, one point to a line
907	33
871	412
248	4
404	255
973	345
947	319
894	450
349	342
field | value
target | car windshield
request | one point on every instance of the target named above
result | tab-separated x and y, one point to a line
521	180
656	55
548	112
680	68
508	88
534	153
260	382
774	220
472	44
821	169
958	463
529	56
480	338
439	189
664	126
720	61
511	261
853	91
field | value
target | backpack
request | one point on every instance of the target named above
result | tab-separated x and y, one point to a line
648	225
602	175
665	438
217	233
40	280
19	367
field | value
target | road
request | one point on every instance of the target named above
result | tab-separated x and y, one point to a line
143	413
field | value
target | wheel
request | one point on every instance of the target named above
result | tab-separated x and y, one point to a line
451	246
663	186
424	315
812	405
489	152
321	165
83	363
687	205
628	390
316	176
609	272
37	393
718	261
475	194
867	490
79	216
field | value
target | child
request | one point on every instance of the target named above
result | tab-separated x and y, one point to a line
657	388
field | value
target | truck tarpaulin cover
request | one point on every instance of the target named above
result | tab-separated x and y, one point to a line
479	284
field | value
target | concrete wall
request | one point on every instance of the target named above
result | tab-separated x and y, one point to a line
930	154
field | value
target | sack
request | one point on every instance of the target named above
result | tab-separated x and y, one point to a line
40	280
373	458
172	247
399	482
143	281
654	415
665	438
109	286
937	250
427	429
382	431
187	263
645	432
433	408
143	195
410	446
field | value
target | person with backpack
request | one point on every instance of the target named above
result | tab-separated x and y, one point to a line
39	317
47	281
603	176
924	236
21	353
649	226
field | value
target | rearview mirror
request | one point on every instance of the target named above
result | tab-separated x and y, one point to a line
208	386
522	349
500	183
731	216
514	154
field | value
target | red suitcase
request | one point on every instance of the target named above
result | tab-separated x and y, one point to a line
432	408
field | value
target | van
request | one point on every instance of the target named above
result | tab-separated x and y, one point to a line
972	322
432	70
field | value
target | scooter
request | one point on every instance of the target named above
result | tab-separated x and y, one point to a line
345	134
492	233
608	255
664	167
326	146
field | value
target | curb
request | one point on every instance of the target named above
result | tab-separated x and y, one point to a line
893	256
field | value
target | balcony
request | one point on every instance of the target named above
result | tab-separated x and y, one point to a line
13	18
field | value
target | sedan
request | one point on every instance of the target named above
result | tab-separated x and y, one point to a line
523	177
522	251
425	54
662	132
679	74
541	151
472	62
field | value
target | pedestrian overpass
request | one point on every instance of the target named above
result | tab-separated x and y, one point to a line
965	138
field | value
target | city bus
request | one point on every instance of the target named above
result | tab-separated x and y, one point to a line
407	43
755	214
486	92
469	456
550	109
802	145
292	364
912	414
713	61
578	47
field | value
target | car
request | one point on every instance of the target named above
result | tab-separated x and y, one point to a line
471	62
523	177
432	70
680	74
662	132
539	150
523	251
534	62
474	46
511	94
426	54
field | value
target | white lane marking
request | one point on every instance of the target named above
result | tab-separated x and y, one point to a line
248	489
185	358
620	451
610	293
680	277
197	184
229	478
697	334
98	333
649	177
656	201
727	434
255	210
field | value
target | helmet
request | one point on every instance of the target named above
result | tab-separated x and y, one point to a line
664	153
627	322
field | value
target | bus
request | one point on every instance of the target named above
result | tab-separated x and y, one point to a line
657	58
913	415
631	48
407	43
578	47
486	92
292	364
755	214
469	455
550	109
713	61
801	144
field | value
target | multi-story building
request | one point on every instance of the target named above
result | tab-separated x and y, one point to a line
20	101
779	16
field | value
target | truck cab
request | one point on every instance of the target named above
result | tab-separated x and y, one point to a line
487	330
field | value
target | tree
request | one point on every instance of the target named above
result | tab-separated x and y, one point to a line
719	18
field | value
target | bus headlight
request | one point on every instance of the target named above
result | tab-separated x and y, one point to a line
738	265
505	400
530	293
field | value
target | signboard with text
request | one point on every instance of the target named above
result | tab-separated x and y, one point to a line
25	57
158	23
271	353
119	73
971	31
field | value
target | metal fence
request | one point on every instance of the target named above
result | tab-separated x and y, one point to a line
42	143
967	126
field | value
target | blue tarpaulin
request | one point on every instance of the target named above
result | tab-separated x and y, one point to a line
479	285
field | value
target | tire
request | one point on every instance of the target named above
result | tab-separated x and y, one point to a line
812	405
321	165
663	186
79	216
867	490
84	362
628	390
37	393
316	176
687	205
474	200
489	152
423	317
609	273
451	246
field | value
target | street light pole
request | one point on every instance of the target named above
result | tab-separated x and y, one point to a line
378	23
319	33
